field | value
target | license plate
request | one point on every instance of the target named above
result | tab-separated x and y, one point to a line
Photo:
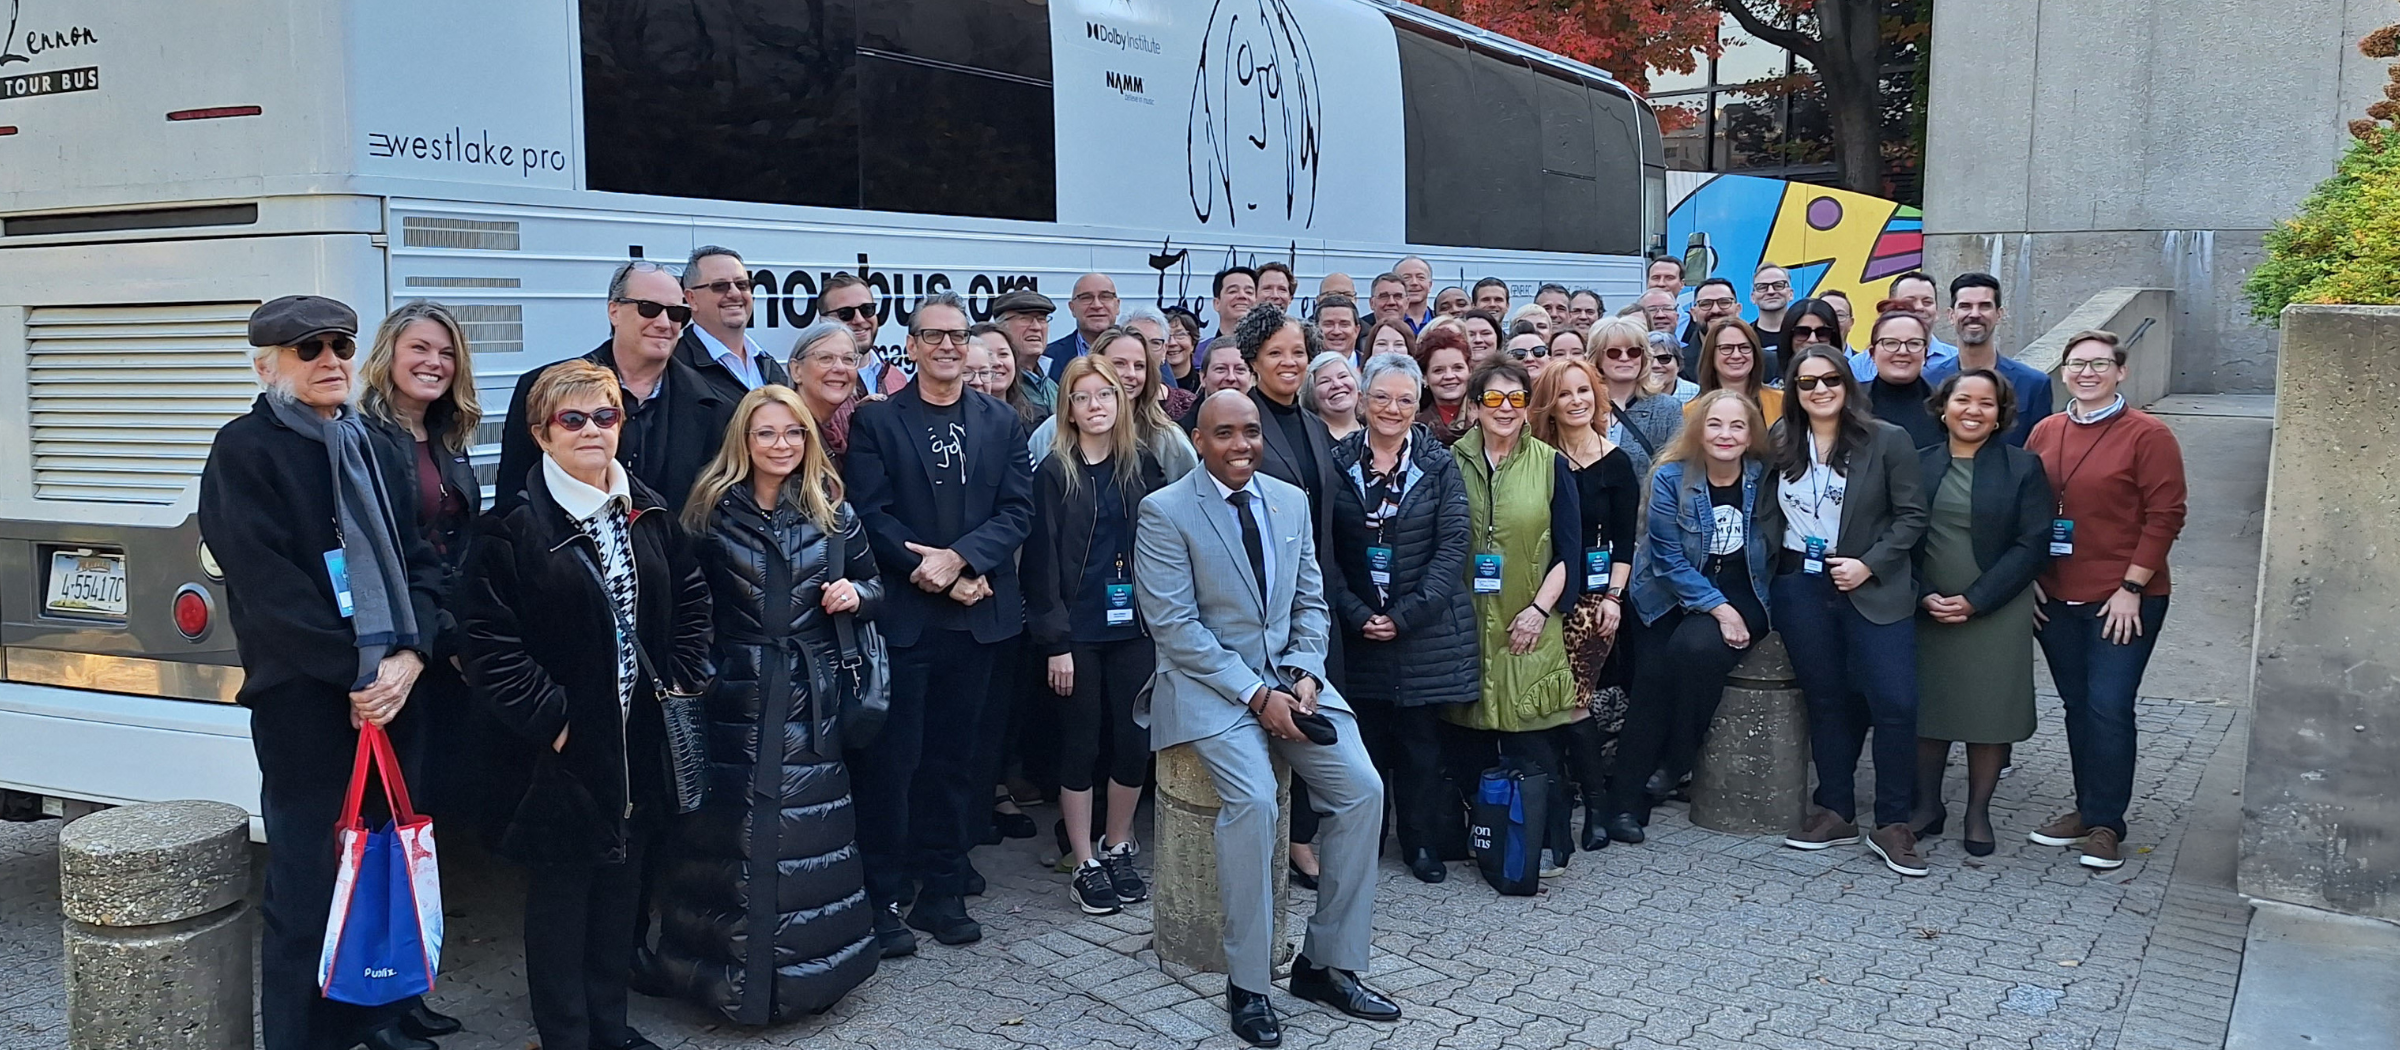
86	584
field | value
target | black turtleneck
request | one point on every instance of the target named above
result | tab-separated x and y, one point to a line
1903	406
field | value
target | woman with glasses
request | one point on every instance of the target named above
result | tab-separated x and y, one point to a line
764	914
1699	590
1080	615
1530	350
2118	477
1569	414
824	368
583	605
1131	359
1811	322
1986	540
1639	420
1520	504
1730	359
1442	356
1845	507
1897	392
1665	376
1331	392
1183	342
1401	534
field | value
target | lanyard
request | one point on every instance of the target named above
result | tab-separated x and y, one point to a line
1816	481
2069	479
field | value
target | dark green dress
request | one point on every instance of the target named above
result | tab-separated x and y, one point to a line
1974	679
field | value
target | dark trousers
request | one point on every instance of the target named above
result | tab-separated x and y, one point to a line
921	788
2097	681
1856	674
305	744
579	941
1679	666
1098	718
1405	744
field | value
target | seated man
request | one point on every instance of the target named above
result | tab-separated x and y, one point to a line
1225	568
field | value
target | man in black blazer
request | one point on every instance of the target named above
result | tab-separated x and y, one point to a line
939	478
716	284
674	419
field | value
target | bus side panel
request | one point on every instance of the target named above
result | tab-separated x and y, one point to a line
100	747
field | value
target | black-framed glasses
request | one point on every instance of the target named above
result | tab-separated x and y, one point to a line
1893	346
1511	398
939	336
1804	384
574	419
650	310
1523	352
720	289
1771	286
847	314
1713	304
342	346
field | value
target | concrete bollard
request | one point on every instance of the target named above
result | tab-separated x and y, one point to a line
1752	777
158	927
1187	917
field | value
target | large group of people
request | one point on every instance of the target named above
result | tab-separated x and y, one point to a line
1390	546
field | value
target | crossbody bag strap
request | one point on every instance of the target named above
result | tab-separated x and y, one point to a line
1639	438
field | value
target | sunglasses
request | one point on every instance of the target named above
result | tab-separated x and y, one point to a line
1623	353
342	346
1802	333
720	288
650	310
848	314
1523	352
1804	384
1511	398
573	419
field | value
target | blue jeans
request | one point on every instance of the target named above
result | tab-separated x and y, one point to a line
2097	680
1856	674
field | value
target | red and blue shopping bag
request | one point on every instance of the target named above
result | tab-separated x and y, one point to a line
383	942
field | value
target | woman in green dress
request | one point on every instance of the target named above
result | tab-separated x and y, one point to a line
1988	540
1520	494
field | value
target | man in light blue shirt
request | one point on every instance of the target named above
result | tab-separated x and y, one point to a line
1915	288
716	285
1975	315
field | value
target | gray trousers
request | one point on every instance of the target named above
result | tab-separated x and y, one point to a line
1345	791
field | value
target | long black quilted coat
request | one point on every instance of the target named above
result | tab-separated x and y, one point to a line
1434	659
772	858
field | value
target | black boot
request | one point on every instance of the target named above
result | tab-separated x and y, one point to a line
1587	748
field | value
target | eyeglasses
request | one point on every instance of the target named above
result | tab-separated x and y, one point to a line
847	314
793	436
1771	286
1523	352
1511	398
1622	353
1379	399
721	288
650	310
2096	364
838	359
1080	398
574	419
1088	298
1894	346
1802	333
1664	359
342	346
1804	384
1733	350
1718	303
939	336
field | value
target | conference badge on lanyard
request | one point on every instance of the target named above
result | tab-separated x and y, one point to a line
1120	598
1379	566
1595	570
2062	537
1812	560
337	568
1487	574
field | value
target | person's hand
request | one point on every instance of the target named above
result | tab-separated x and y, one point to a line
2121	617
1305	692
840	596
559	745
1062	674
938	568
1947	609
1526	630
2041	615
381	700
1274	713
1380	628
1612	615
968	590
1847	573
1731	625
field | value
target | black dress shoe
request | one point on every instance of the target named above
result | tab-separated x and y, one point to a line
647	977
1625	828
1932	829
1426	866
1595	829
1013	825
946	919
892	936
423	1022
390	1037
1341	990
1303	879
1253	1017
633	1041
1979	849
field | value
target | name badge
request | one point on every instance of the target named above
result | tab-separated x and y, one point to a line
1120	604
1379	566
1812	561
1595	570
337	568
2062	537
1487	574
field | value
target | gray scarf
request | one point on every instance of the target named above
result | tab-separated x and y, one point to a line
381	616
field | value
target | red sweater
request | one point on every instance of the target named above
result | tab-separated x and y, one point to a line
2121	482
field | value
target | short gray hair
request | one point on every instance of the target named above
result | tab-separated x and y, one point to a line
617	280
949	299
1382	365
1308	389
691	266
1143	313
817	333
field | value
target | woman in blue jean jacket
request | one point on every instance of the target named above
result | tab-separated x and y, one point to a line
1699	597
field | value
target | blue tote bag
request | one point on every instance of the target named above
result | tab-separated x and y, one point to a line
383	941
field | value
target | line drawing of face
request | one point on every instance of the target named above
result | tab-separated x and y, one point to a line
1256	119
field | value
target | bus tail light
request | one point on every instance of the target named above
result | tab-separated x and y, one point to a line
193	611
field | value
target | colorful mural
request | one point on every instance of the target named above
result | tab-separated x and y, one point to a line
1727	225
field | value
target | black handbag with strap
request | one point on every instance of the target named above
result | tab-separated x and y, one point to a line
687	743
860	679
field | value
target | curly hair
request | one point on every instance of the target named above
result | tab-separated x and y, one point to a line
1262	322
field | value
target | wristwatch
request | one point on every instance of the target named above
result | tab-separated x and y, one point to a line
2129	586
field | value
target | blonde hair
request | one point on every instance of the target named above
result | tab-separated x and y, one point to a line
1143	407
568	379
818	489
1688	441
1544	414
1124	442
458	411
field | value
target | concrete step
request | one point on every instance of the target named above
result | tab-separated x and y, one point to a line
2316	980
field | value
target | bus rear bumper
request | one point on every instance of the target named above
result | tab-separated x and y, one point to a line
74	745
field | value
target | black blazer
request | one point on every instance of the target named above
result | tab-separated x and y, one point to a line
692	352
697	415
891	488
1883	517
2013	506
1061	542
1282	462
394	446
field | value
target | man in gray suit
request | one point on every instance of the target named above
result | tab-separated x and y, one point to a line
1225	567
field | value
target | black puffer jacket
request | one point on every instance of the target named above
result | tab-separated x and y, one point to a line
1433	659
772	858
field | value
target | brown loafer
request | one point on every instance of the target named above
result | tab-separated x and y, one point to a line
2102	850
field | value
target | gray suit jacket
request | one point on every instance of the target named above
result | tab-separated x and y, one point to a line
1216	636
1884	513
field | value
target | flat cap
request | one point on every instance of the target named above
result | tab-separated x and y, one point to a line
293	318
1023	301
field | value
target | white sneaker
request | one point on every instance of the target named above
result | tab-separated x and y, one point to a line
1551	868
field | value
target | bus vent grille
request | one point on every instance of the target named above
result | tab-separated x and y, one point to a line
421	231
465	282
491	328
125	400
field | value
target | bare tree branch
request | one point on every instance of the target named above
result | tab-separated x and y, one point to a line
1796	42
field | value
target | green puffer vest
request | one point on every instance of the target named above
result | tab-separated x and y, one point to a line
1510	511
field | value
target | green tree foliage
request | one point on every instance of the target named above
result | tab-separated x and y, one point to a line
2344	245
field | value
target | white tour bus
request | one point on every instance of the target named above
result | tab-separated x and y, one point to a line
164	167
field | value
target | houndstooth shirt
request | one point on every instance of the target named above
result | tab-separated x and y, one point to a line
604	517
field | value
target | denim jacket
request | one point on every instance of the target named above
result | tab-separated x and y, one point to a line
1665	576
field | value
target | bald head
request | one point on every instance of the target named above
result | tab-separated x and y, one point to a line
1226	435
1337	283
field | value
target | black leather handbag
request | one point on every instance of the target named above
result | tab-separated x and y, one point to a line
687	744
860	680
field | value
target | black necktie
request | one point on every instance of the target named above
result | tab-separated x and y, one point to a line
1251	543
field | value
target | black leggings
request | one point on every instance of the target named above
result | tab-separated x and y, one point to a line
1679	668
1107	677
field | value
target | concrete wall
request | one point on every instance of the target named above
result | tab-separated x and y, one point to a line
2075	145
2140	318
2321	801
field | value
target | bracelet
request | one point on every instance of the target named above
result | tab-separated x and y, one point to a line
1612	596
1537	607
